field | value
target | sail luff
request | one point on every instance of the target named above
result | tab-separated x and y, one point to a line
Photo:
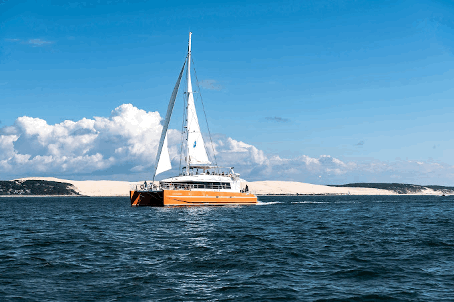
165	126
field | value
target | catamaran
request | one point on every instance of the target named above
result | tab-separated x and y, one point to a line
199	181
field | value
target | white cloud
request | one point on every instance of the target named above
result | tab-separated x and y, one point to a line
38	42
277	119
32	42
210	84
125	144
33	146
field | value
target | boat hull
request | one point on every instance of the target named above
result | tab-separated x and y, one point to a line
190	198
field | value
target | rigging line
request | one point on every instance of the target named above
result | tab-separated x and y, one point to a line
203	107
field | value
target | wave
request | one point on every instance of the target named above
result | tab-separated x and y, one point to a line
310	202
262	203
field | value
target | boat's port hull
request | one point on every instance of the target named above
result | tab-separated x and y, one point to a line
190	198
152	199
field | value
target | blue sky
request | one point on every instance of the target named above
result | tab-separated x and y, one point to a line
360	81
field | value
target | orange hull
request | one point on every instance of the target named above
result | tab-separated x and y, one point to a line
190	198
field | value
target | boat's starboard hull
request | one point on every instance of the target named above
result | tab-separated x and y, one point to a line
190	198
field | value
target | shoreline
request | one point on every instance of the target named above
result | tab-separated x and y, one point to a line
111	188
258	195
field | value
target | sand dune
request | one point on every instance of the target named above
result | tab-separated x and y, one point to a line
292	187
122	188
95	187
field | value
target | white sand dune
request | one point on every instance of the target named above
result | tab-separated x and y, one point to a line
293	187
122	188
95	187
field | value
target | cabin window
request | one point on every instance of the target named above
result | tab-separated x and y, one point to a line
198	185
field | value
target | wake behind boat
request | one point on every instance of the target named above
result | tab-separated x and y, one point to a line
199	182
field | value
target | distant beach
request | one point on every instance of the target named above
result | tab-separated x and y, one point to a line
122	188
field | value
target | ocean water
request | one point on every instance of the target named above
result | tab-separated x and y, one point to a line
308	248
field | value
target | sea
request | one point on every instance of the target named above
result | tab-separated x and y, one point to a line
300	248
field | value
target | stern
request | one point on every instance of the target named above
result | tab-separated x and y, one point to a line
147	198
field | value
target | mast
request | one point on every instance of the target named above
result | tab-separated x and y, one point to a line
195	147
189	91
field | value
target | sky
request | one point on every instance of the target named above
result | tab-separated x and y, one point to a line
325	92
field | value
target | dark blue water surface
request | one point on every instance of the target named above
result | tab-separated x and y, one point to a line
311	248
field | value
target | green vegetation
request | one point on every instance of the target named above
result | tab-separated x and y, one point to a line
36	187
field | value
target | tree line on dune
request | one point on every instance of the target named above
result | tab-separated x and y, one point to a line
36	187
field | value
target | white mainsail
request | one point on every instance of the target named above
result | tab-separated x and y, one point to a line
196	147
162	157
164	163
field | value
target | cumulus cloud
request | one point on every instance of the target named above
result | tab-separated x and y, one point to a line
254	165
31	145
246	158
125	144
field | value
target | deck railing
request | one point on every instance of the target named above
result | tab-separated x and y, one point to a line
177	186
